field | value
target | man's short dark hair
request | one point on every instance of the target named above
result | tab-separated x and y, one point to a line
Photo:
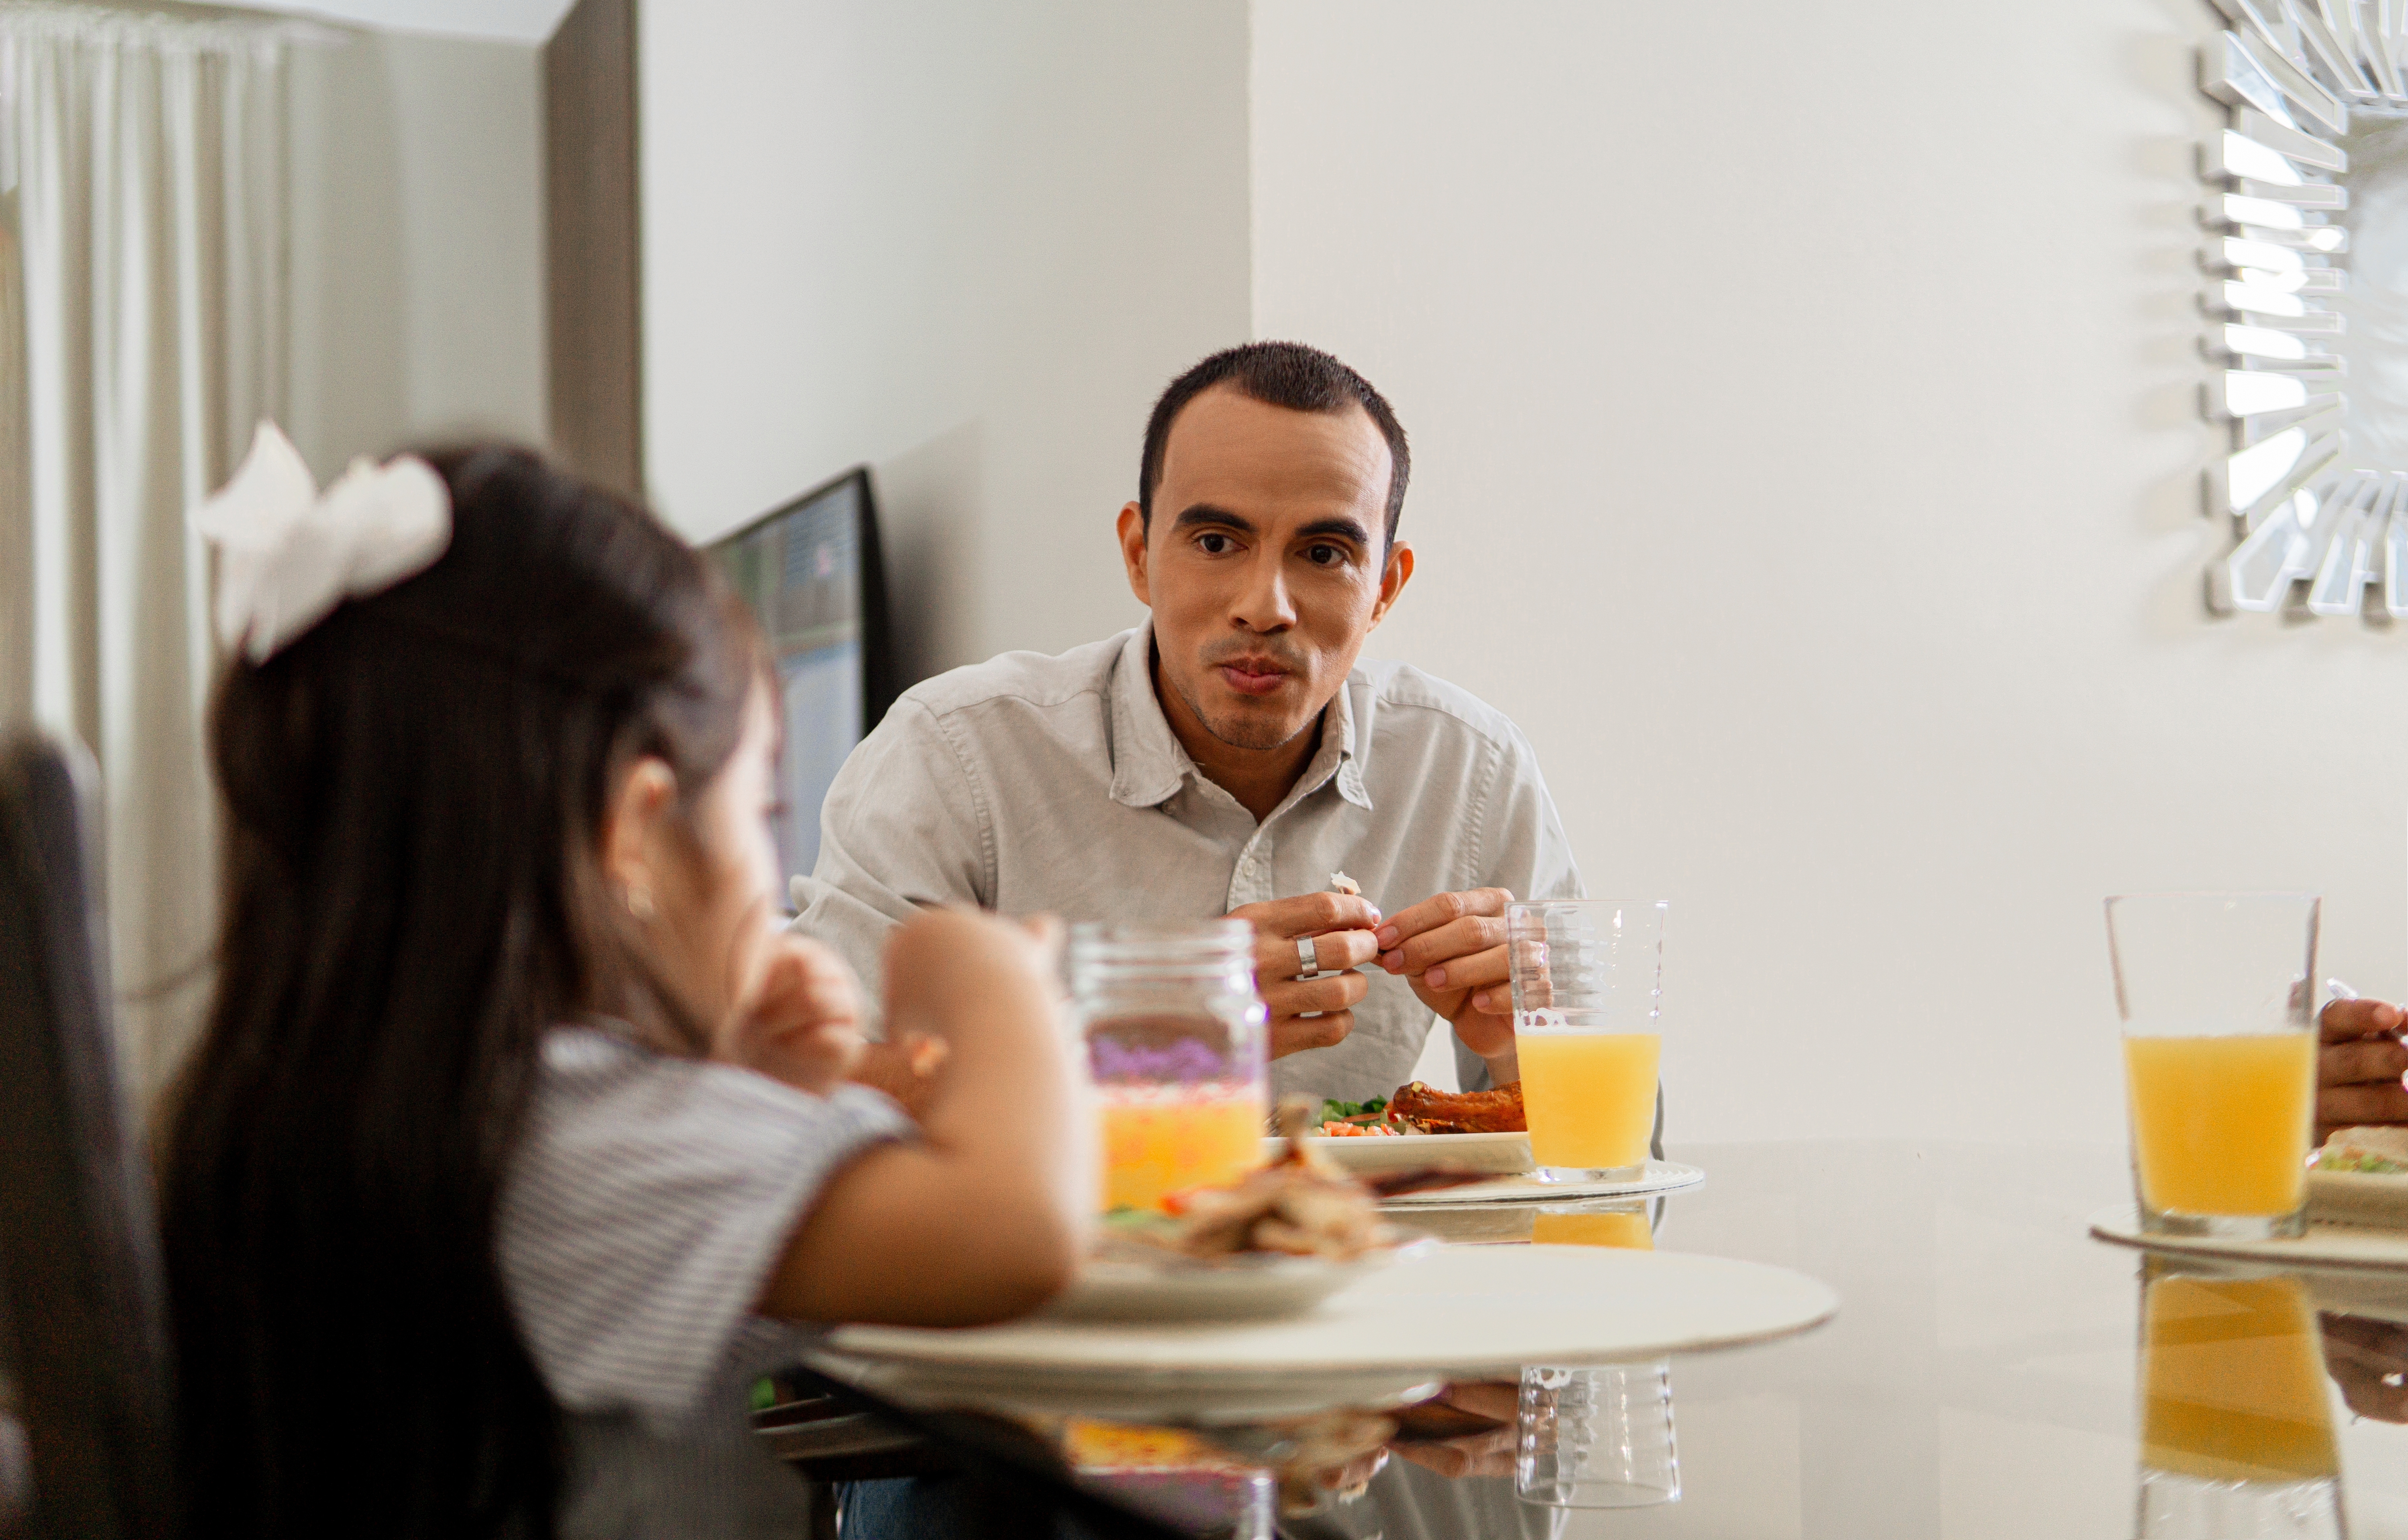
1276	374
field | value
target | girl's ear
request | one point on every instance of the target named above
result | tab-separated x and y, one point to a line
631	825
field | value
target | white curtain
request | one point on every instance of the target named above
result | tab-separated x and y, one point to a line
147	154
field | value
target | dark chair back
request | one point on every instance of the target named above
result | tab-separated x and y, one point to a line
82	1331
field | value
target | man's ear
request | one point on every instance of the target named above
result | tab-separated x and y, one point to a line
1392	578
1132	533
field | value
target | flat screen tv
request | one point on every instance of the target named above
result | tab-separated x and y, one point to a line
811	573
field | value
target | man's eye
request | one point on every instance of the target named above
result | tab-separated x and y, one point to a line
1215	545
1325	556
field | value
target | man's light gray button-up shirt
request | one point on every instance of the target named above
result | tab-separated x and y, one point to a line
1031	784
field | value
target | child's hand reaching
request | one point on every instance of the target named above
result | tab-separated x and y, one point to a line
802	1024
906	1069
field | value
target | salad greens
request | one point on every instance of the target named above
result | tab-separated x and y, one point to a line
1337	1112
2372	1164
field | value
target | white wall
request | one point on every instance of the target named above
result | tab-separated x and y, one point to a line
417	245
965	242
1802	408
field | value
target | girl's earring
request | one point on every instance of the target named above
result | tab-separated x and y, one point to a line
639	901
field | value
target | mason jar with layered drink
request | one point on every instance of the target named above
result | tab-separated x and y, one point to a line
1174	1027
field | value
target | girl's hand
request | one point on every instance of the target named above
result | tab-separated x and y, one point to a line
802	1024
906	1069
947	965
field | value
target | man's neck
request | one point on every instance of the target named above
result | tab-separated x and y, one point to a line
1259	779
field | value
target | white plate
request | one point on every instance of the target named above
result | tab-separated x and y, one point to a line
2358	1197
1249	1287
1655	1176
2323	1245
1466	1310
1504	1154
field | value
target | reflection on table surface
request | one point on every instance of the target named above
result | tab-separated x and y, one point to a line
1993	1371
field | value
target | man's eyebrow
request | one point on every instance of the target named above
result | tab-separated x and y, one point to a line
1204	515
1343	528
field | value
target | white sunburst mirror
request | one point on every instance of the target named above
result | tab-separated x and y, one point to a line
2307	255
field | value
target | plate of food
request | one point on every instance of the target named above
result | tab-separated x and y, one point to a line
2360	1176
1420	1128
1277	1242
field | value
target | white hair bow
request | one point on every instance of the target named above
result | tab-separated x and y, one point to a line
287	556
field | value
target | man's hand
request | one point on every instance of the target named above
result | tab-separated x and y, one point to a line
802	1023
1452	949
1476	1451
2359	1071
2368	1359
1341	926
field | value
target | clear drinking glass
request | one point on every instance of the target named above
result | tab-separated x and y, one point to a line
1173	1026
1588	985
2218	1013
2236	1418
1597	1438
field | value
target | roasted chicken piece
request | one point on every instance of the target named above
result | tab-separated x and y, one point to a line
1433	1111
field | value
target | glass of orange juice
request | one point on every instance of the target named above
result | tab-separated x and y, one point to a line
1174	1027
2236	1417
1587	994
2217	995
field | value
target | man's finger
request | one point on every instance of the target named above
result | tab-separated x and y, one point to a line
1481	970
1330	992
2345	1020
1295	1033
1463	938
1442	909
1496	1399
1276	957
1308	914
2368	1059
2346	1106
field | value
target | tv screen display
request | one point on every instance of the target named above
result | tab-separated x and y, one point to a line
811	573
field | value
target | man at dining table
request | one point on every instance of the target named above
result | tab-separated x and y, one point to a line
1233	753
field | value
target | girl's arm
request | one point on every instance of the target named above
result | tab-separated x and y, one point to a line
987	1215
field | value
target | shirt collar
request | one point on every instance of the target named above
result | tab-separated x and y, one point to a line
1150	765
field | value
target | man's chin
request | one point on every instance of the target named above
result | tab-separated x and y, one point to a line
1264	727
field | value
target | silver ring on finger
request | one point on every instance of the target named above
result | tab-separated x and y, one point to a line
1307	960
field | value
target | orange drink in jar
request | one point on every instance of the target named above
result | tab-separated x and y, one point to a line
1173	1028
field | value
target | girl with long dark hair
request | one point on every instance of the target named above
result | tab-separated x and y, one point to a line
516	1131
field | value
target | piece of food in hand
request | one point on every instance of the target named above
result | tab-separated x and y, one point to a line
1424	1109
2374	1152
1340	883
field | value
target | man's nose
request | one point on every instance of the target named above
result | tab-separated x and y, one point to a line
1265	603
